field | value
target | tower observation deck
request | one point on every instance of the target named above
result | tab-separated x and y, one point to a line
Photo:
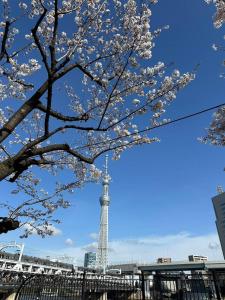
102	254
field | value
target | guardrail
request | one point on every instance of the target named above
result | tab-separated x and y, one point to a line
180	286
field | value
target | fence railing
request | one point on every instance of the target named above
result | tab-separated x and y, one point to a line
180	286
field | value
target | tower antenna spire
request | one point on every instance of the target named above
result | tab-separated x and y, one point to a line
102	254
106	164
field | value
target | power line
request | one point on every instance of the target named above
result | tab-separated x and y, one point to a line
185	117
158	125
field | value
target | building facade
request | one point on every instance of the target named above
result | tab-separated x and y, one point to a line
219	208
197	258
164	260
90	260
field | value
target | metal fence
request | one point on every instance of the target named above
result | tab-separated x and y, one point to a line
85	286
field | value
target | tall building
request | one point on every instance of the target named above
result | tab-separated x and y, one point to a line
219	207
102	254
90	260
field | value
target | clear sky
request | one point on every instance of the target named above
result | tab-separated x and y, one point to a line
160	193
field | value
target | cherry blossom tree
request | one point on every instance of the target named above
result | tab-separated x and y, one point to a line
216	131
76	81
219	17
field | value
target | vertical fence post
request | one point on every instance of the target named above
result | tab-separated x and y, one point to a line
217	289
179	288
143	285
83	286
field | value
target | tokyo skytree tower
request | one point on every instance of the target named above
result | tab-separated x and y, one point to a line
102	254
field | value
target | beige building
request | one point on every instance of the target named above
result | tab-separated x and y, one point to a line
197	258
219	208
164	260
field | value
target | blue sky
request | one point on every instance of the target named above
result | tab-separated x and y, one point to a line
160	193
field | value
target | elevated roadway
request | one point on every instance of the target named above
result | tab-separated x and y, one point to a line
27	267
175	266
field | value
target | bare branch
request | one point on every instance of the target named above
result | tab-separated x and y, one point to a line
4	40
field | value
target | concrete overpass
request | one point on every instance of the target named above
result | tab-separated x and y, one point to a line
26	267
171	267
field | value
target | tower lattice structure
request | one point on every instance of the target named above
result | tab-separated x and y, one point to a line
102	254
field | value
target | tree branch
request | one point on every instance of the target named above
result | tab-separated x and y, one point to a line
28	148
22	112
29	105
117	82
49	104
157	96
59	147
53	42
86	72
26	164
60	116
37	41
26	85
4	40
